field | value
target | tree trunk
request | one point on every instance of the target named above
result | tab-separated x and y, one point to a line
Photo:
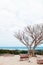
33	52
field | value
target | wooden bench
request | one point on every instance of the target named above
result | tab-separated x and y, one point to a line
40	61
24	57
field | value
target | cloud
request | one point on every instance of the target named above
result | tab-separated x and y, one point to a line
16	14
20	12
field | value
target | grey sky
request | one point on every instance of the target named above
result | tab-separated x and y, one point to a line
14	15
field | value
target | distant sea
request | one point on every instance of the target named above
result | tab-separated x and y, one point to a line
18	48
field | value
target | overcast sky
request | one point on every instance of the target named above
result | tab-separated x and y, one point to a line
14	15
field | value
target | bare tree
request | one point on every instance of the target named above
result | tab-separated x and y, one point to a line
31	32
